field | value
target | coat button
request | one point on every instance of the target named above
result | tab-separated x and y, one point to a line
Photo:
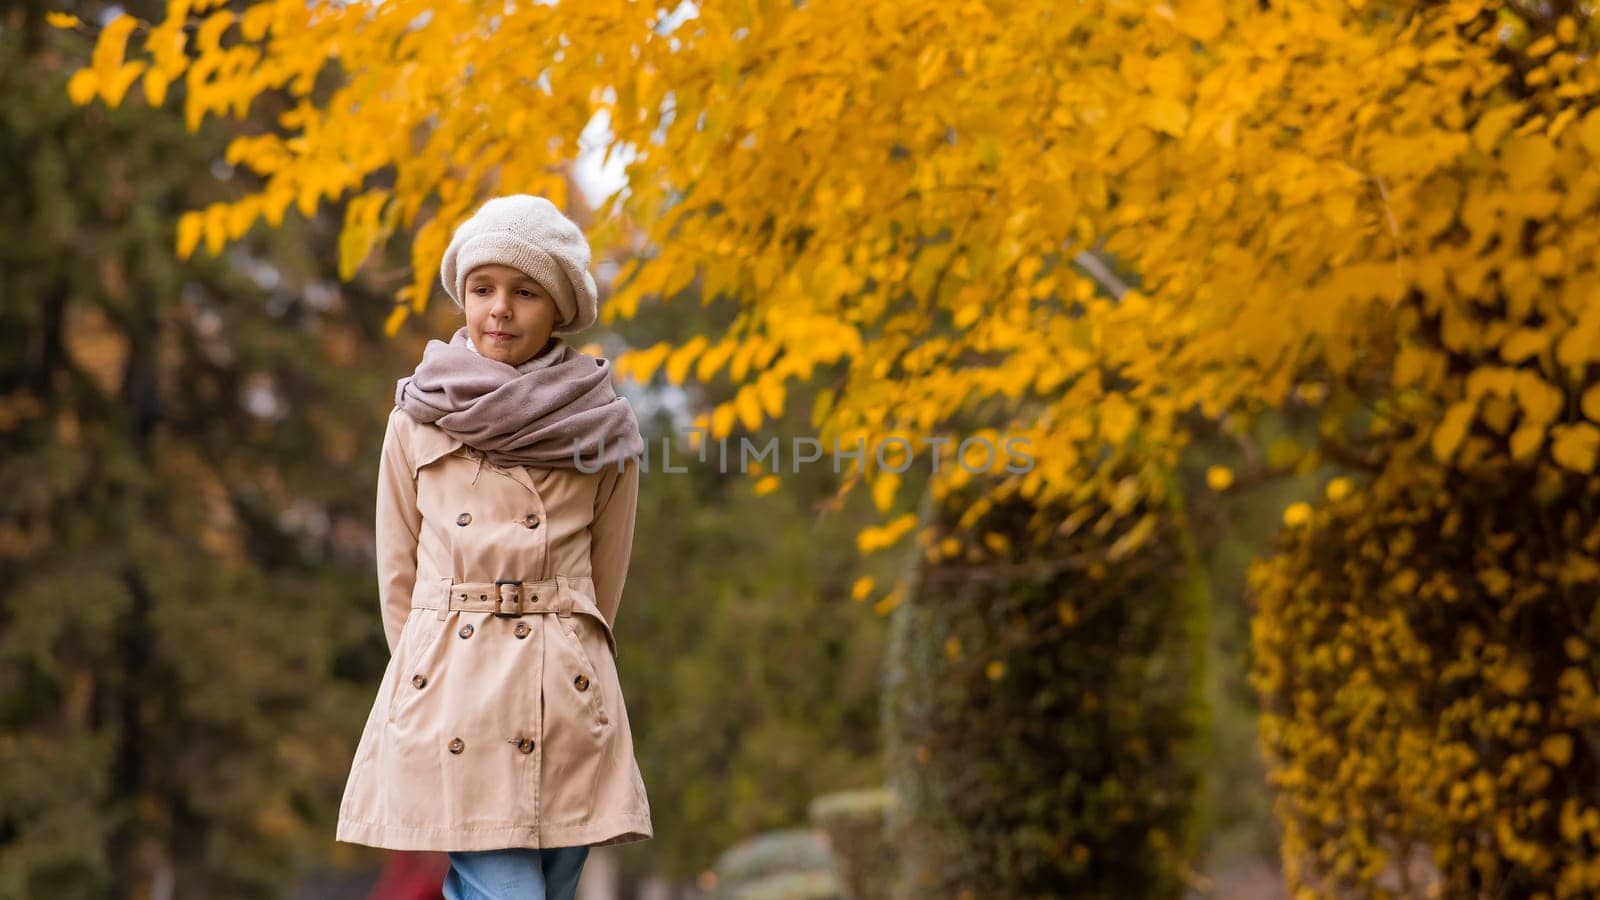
522	629
419	680
582	681
525	745
466	630
531	520
457	745
464	519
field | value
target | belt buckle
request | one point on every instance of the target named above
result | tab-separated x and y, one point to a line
500	598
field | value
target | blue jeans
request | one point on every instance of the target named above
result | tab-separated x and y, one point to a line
518	873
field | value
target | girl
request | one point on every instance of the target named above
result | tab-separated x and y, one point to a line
505	513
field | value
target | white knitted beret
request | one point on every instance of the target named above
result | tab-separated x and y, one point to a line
531	235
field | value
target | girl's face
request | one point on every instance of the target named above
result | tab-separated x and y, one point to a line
509	316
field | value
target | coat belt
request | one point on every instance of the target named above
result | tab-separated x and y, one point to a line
507	598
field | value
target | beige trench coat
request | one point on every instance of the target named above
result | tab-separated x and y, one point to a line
492	729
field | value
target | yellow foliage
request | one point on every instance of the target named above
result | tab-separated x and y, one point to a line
1219	478
884	486
678	360
861	588
935	262
877	537
1426	699
1296	514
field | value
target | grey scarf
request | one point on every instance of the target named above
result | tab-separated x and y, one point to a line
558	409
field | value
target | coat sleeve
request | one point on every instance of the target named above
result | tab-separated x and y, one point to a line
398	525
611	534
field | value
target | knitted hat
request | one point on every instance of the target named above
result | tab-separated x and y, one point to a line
531	235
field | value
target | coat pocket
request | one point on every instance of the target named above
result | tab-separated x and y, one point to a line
413	663
587	639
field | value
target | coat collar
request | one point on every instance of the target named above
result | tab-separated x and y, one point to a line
429	443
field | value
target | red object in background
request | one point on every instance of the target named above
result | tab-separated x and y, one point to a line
411	876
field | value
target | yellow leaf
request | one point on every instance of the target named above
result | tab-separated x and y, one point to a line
1132	539
861	588
884	486
722	421
1219	478
1202	20
872	537
306	198
362	226
713	359
1590	403
677	368
1338	489
1526	441
1523	343
275	202
952	647
766	485
208	38
1575	446
1297	514
1557	748
81	87
1452	428
117	86
1589	133
1493	125
1527	161
1549	262
190	226
770	389
57	19
1576	649
1117	418
742	357
155	87
256	20
1168	76
1540	401
111	48
996	670
216	228
748	407
1414	364
1167	115
640	365
1512	680
397	316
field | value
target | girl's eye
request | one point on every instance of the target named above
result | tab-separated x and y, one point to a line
525	292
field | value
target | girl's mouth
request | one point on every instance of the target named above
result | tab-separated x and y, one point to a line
499	335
